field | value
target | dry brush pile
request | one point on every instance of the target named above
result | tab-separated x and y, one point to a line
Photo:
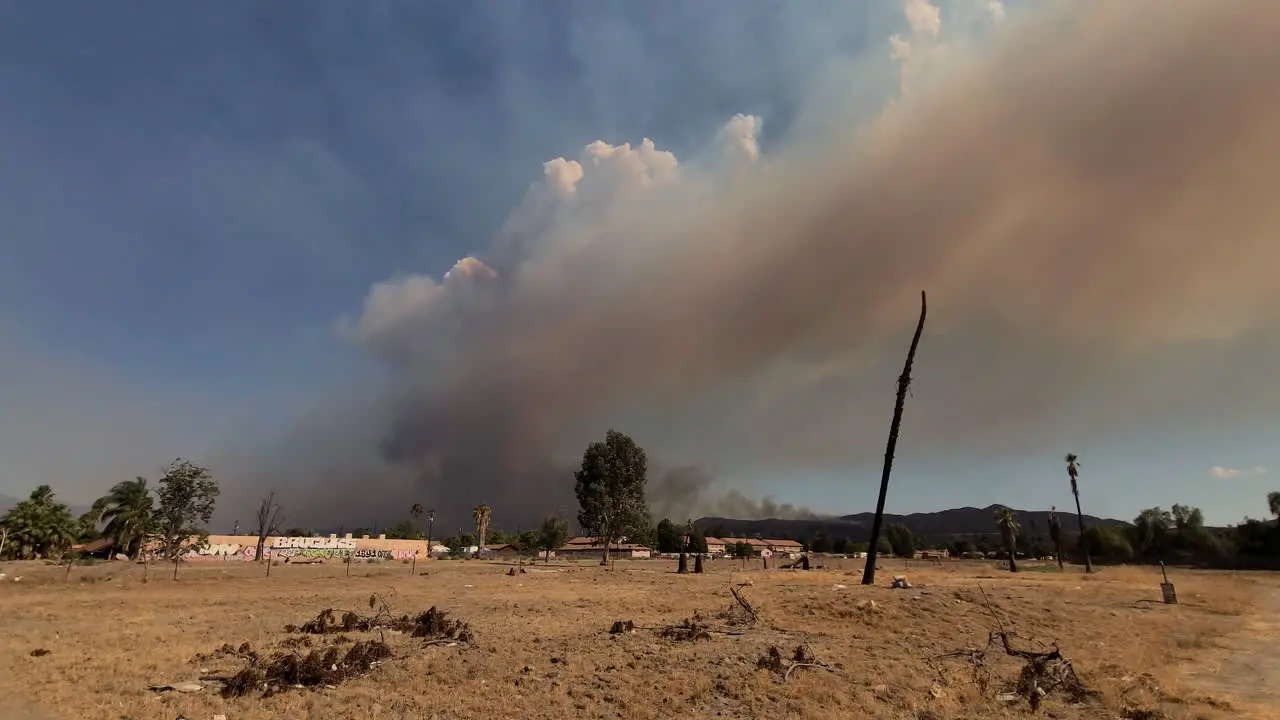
334	656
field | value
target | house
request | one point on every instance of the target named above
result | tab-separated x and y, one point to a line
102	546
759	548
788	548
716	546
582	547
505	551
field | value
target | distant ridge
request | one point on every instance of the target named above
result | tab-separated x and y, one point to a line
940	526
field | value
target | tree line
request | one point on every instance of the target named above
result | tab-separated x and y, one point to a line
171	517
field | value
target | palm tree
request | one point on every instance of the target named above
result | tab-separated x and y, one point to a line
904	384
416	513
1007	522
39	526
127	510
1073	471
480	514
1055	534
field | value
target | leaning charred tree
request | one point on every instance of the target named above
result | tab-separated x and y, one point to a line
904	383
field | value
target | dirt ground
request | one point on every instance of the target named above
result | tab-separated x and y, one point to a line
542	646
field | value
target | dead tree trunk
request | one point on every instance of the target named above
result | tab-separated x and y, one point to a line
1084	545
904	383
269	520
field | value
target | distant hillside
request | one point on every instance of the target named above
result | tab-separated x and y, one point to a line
931	527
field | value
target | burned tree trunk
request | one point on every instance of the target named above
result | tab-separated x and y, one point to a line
904	383
269	519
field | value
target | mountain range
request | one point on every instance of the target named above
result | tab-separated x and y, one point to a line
931	527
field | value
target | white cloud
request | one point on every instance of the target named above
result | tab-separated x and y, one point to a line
1220	471
995	9
924	18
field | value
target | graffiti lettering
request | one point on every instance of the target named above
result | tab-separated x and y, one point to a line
370	553
313	543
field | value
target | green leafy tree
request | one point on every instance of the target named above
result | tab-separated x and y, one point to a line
740	550
128	510
404	530
883	547
901	541
820	543
643	534
187	495
1192	538
667	537
552	535
1107	543
1150	534
610	488
528	542
39	526
697	540
1007	523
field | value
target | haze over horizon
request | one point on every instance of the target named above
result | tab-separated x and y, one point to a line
377	254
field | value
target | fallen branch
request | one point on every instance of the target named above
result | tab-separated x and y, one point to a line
802	657
1043	671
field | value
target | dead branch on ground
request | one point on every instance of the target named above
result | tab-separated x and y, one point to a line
1043	672
802	657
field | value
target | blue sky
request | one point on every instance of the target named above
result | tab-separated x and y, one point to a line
191	195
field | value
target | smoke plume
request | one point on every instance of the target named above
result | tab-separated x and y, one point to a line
1086	199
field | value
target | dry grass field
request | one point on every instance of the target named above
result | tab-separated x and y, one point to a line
542	646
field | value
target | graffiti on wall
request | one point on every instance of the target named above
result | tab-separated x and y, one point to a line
290	547
312	543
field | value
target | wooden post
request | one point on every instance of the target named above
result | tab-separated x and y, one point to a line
145	566
413	568
270	562
70	560
348	565
175	568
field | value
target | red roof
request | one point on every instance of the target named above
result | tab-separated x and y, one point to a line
98	545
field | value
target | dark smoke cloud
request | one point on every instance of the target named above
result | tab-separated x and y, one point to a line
1087	201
